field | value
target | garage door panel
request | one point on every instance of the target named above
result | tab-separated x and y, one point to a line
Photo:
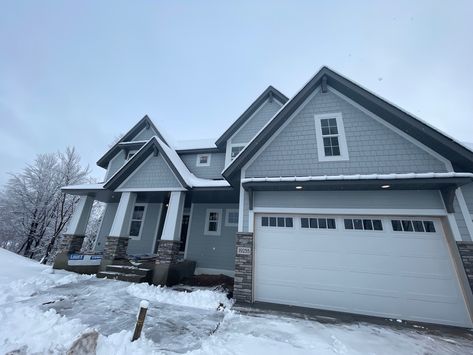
406	275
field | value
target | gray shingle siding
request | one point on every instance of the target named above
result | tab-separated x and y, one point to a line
372	147
144	135
153	173
256	122
115	164
213	252
214	171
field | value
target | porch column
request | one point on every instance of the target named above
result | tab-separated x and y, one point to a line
168	249
116	242
72	240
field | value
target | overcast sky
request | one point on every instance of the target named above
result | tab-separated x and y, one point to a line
79	73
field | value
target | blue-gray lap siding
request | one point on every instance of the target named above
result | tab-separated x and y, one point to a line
256	122
154	172
148	235
372	146
213	171
209	251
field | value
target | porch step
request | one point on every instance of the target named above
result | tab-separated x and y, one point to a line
122	276
129	269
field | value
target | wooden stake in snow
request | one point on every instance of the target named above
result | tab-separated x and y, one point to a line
140	320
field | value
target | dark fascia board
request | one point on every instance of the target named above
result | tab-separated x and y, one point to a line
144	122
198	151
220	143
137	159
437	141
351	185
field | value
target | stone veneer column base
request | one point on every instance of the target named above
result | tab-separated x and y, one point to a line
71	243
466	253
168	252
243	285
114	249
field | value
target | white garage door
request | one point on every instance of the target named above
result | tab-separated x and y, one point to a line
383	266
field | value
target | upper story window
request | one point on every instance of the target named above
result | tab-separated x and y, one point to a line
203	160
330	134
137	218
236	149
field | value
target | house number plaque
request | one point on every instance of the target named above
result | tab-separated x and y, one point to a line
243	251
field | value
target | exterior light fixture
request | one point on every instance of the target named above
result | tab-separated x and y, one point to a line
385	186
298	187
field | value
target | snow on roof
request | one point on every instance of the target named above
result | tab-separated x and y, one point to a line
359	177
98	186
190	179
206	143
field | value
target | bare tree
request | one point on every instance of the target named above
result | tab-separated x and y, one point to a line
34	204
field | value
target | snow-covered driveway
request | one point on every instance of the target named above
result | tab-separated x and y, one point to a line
43	312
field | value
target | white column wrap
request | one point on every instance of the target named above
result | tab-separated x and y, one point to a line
121	221
80	217
173	221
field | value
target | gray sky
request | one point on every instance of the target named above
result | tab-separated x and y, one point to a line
80	73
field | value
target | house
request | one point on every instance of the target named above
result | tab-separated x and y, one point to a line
334	199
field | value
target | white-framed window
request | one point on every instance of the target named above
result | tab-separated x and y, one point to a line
137	220
130	154
203	160
213	221
331	140
231	218
235	149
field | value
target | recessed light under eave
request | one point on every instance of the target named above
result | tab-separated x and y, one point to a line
298	187
385	186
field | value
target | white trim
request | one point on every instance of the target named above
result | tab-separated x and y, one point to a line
209	271
145	205
188	230
279	130
342	140
353	211
219	221
160	212
393	128
228	152
227	212
130	152
144	189
454	226
251	221
241	203
198	163
464	211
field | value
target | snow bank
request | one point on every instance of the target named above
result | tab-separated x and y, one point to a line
203	299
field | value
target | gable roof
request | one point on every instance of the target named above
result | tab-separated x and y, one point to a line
460	156
143	123
268	93
154	146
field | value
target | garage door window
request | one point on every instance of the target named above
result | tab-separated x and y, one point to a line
363	224
319	223
405	225
284	222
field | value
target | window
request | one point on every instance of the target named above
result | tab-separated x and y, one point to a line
319	223
330	135
363	224
231	218
284	222
418	226
213	222
137	218
236	149
203	160
130	154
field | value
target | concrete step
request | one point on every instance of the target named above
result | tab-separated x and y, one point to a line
125	269
122	276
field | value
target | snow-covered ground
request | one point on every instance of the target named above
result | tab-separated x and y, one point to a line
44	312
